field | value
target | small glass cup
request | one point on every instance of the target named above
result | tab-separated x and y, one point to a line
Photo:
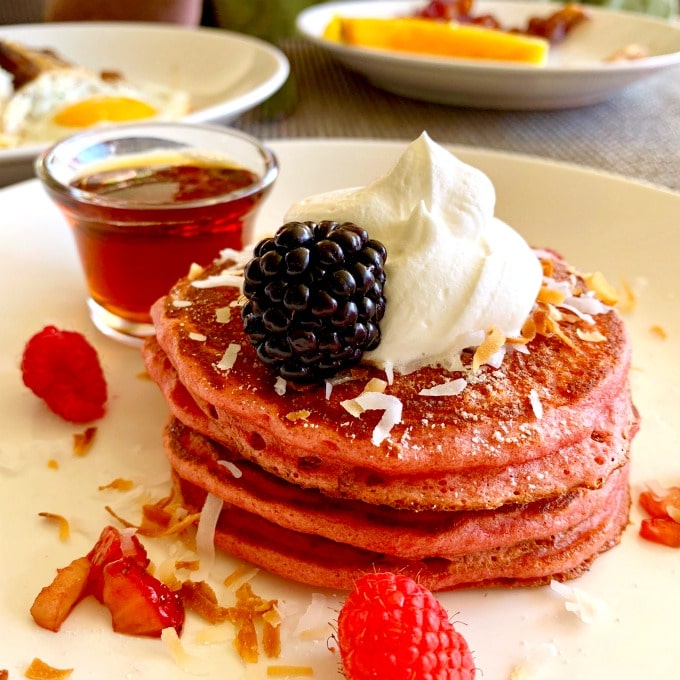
134	246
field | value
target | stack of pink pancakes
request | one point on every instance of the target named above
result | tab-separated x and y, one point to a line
520	478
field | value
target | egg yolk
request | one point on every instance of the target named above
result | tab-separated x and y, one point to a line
103	110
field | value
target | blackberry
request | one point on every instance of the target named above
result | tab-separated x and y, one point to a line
314	298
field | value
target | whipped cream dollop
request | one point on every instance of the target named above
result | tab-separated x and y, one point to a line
454	270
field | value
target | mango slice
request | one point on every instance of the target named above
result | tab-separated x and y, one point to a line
424	36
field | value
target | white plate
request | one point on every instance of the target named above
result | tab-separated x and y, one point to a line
225	73
576	73
597	221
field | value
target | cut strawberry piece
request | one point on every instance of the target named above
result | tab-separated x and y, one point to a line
661	530
139	603
657	504
112	546
56	601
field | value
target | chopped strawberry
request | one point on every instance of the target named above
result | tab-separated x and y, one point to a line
657	504
112	546
661	530
56	601
139	603
664	508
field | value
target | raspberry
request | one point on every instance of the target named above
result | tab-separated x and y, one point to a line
62	368
392	627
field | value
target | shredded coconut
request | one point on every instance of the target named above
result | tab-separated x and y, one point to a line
223	314
228	360
449	388
536	404
235	470
588	608
187	662
205	532
280	386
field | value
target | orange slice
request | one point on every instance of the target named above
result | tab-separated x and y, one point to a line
424	36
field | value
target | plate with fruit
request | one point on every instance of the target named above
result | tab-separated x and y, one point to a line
107	576
494	54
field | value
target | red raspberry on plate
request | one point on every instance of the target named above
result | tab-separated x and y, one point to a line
392	627
63	369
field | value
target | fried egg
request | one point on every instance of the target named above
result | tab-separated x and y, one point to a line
60	102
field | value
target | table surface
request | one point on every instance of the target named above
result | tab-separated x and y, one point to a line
635	134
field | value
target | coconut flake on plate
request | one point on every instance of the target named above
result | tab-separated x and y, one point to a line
588	608
188	663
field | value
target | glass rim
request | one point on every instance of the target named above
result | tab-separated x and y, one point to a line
87	138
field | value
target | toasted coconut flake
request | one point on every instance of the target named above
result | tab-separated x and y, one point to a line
181	304
550	296
118	484
240	575
590	336
250	608
281	671
588	608
82	441
659	331
39	670
494	340
627	298
375	385
294	416
195	270
205	533
352	407
200	598
223	314
603	290
189	663
198	337
450	388
548	266
226	363
62	522
536	405
189	565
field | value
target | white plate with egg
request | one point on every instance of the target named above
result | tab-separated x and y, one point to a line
195	74
579	71
528	632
